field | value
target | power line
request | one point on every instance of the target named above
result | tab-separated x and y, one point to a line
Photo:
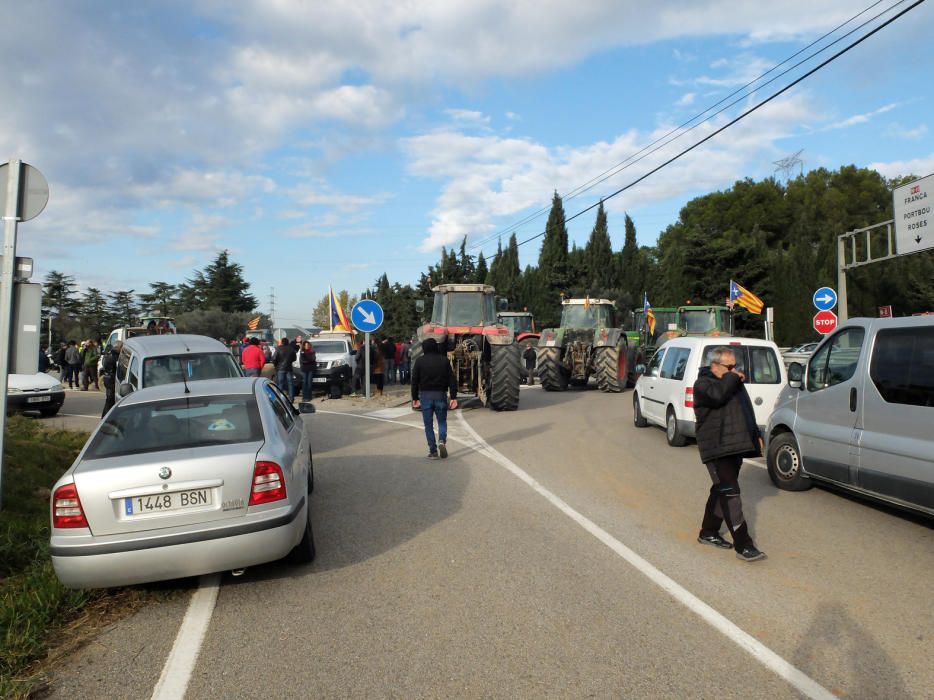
743	115
645	151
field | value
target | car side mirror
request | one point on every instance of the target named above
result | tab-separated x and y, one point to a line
125	389
640	369
295	411
795	375
306	407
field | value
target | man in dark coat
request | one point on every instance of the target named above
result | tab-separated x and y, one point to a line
726	433
530	357
109	376
433	382
283	359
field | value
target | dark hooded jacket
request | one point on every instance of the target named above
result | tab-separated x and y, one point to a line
432	372
725	421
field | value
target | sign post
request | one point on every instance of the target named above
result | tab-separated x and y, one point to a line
914	224
367	316
23	195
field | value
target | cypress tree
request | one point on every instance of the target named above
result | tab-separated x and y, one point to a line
598	256
553	264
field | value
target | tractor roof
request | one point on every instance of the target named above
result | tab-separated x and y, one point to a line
591	302
446	288
514	313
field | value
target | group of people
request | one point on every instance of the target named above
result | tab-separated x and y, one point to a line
390	363
254	356
78	363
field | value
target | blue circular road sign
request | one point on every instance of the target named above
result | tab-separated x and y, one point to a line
825	299
366	315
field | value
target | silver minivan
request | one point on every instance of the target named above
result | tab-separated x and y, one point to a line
152	360
861	414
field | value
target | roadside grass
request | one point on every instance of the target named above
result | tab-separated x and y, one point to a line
37	613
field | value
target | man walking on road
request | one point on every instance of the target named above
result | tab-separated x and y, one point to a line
726	432
530	357
432	382
283	360
109	376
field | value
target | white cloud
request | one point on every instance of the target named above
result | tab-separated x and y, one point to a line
909	134
860	118
686	99
318	194
487	178
919	166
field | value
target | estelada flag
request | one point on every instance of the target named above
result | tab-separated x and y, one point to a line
742	296
339	320
254	323
649	314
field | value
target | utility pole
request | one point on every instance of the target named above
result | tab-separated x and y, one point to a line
272	307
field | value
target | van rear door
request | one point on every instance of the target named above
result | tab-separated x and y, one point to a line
895	444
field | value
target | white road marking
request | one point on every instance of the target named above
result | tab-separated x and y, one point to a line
768	658
75	415
176	674
397	412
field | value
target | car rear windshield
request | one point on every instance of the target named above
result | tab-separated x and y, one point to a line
190	367
758	362
176	424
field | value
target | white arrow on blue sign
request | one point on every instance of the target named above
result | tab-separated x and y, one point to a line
366	315
825	299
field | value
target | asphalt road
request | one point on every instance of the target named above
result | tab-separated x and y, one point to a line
560	561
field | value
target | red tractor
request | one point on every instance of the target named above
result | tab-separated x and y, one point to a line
483	352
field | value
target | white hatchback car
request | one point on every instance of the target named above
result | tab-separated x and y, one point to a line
664	394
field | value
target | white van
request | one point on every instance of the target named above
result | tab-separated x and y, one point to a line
335	359
861	415
664	394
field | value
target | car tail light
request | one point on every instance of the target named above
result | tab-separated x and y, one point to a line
689	397
268	483
66	508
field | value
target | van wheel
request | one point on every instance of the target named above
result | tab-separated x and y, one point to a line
784	464
637	418
672	432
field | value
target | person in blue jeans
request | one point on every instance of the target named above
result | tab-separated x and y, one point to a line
434	391
283	359
307	364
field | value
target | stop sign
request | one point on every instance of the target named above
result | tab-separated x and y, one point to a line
825	322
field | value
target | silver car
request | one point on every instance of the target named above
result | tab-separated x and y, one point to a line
179	483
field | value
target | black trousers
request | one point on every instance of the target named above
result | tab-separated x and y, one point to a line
724	504
110	393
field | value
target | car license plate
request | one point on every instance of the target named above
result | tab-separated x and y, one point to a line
38	399
165	502
319	380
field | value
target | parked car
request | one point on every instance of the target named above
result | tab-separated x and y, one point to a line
174	484
799	353
153	360
860	415
335	360
34	392
664	394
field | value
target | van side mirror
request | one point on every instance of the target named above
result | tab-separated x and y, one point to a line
640	369
353	352
124	389
795	375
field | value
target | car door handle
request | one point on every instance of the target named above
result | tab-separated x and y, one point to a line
853	399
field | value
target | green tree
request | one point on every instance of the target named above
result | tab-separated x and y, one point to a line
123	308
553	264
482	270
161	299
598	256
224	286
96	319
60	299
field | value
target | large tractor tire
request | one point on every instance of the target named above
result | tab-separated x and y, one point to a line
612	369
550	371
503	394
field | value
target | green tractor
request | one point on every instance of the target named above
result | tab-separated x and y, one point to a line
644	342
588	343
705	320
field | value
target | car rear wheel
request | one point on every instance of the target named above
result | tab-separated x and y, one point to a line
311	472
672	431
637	418
784	464
304	551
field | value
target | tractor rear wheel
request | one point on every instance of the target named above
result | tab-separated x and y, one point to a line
415	352
550	370
503	394
612	372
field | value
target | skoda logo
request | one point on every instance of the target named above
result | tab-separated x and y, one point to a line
165	473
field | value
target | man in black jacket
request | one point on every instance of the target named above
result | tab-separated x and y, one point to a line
726	433
109	375
433	382
283	359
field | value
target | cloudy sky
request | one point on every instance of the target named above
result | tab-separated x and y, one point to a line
324	143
